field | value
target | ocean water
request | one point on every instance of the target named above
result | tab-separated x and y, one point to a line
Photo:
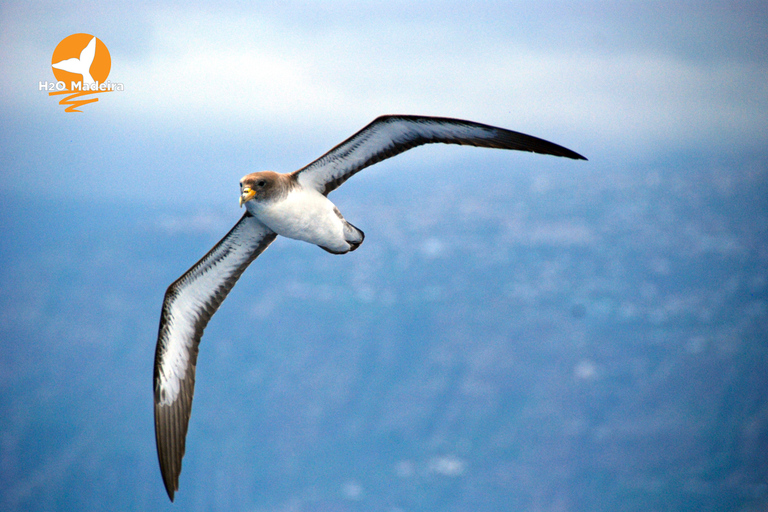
555	342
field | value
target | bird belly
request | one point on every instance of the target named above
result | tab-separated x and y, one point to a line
307	216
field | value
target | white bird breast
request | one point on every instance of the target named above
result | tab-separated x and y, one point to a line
305	215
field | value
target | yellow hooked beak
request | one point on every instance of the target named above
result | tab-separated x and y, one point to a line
246	195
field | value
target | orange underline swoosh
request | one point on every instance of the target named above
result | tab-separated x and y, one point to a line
75	104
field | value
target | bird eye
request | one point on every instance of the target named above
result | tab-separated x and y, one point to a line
261	183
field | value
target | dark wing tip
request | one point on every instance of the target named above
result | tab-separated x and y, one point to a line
170	491
509	139
169	451
574	155
567	153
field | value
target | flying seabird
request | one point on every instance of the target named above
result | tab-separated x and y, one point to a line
294	205
81	66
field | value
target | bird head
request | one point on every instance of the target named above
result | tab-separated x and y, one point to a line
259	186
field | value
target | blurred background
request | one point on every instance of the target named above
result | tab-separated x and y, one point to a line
518	332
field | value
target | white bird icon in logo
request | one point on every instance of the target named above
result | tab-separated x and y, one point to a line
81	66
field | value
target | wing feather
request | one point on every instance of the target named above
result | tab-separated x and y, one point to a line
388	136
189	304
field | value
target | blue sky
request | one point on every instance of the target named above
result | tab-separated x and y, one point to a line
215	91
668	100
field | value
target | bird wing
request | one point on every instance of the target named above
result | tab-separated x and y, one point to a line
388	136
189	304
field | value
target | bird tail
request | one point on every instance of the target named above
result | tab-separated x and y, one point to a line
353	236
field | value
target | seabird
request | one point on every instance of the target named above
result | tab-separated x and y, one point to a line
294	205
81	66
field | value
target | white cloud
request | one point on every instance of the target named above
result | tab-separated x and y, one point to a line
229	68
202	82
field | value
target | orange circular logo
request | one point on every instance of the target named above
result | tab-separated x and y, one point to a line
81	58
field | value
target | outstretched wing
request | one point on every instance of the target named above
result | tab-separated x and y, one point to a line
388	136
189	304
